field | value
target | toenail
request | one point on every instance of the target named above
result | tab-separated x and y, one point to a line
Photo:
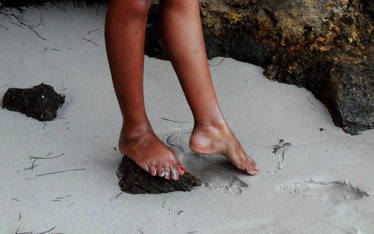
174	174
181	168
166	174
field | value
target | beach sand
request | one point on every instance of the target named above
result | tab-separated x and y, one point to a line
317	179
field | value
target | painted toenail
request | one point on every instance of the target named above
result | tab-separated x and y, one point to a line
181	168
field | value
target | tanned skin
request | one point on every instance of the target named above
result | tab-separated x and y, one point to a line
182	36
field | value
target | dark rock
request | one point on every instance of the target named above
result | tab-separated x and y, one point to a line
40	102
353	96
135	180
230	42
368	6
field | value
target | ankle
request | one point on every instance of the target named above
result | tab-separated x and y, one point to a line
132	131
217	123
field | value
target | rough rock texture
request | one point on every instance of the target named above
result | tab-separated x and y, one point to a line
40	102
135	180
326	46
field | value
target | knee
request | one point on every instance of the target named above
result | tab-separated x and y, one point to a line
132	8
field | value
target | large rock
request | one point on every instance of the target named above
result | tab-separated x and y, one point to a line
326	46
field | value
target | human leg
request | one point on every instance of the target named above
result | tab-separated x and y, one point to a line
124	35
183	39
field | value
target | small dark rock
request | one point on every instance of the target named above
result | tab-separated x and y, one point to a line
40	102
135	180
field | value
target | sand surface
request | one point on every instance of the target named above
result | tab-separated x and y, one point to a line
314	182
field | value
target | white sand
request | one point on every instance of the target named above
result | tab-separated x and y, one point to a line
305	193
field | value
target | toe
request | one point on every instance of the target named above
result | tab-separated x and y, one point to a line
181	170
153	170
160	172
146	167
174	173
251	171
251	167
176	168
167	172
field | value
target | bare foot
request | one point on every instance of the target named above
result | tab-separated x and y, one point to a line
151	154
221	140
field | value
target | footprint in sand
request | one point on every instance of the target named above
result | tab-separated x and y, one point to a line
344	216
350	219
214	171
334	191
